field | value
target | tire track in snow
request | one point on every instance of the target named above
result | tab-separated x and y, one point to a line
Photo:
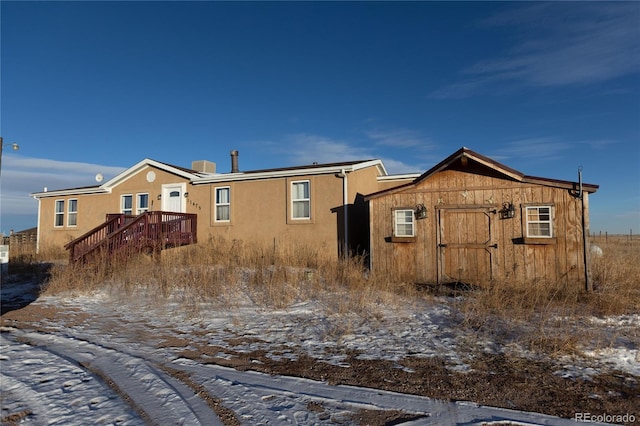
228	417
39	387
161	398
257	398
260	395
29	400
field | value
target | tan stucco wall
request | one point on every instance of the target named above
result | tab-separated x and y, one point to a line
92	208
260	211
260	208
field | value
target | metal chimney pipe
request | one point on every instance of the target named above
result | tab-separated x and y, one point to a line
234	162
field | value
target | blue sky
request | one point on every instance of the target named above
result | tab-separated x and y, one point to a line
545	88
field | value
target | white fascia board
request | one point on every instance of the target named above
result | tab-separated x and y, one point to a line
377	163
106	187
77	191
232	177
406	176
140	166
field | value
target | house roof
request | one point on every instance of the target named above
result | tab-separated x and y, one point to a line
464	155
26	231
95	189
106	187
196	177
306	170
170	168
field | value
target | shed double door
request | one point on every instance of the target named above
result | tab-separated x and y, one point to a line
466	250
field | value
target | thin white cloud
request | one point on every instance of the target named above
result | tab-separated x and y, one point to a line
407	142
303	148
399	138
37	164
544	148
396	167
599	144
557	44
18	203
22	176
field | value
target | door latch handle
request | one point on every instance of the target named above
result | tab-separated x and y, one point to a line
442	245
494	245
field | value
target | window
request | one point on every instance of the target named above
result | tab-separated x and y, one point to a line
539	221
300	200
126	204
223	204
72	217
59	216
143	203
403	225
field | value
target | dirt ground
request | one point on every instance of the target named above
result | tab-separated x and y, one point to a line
498	381
494	380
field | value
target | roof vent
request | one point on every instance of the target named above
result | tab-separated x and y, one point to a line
203	166
234	162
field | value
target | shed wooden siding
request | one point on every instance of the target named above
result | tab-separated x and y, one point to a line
513	259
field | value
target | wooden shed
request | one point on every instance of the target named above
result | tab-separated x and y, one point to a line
471	219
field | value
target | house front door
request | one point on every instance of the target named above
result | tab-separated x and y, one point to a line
466	251
173	198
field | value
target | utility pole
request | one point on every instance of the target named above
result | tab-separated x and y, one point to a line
14	146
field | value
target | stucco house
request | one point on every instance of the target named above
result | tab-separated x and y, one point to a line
472	219
468	219
319	205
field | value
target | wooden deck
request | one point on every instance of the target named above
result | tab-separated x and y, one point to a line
125	234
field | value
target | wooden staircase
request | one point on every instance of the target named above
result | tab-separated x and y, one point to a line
124	234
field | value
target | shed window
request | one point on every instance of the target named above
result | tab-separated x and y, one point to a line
126	204
403	223
223	204
72	217
143	203
59	215
300	200
539	221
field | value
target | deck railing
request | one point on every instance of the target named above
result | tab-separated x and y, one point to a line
149	231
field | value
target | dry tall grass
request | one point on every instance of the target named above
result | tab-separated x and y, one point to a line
223	273
549	316
616	277
545	316
27	265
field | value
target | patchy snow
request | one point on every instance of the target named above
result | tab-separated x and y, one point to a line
84	368
55	390
56	379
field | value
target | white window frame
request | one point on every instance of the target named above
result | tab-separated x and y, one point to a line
226	204
72	215
123	210
399	218
296	201
140	210
58	213
538	221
